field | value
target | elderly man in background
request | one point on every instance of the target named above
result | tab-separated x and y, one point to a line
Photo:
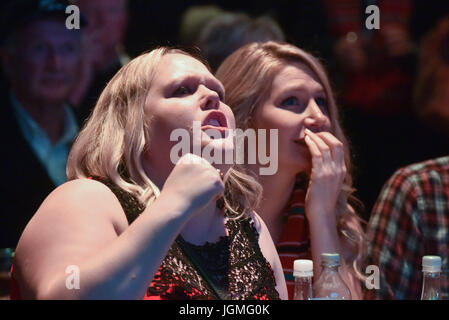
103	53
40	59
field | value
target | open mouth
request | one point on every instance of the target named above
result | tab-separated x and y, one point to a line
215	120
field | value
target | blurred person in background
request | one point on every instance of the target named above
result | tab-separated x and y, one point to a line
226	32
40	58
411	216
377	64
431	93
103	53
193	21
230	31
376	70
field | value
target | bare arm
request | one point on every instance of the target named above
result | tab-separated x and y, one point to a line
81	223
75	226
326	179
270	253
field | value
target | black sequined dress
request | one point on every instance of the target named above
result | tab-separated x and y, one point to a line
231	268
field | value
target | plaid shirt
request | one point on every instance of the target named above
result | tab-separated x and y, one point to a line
409	220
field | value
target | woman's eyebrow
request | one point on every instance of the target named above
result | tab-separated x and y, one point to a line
174	82
211	83
318	90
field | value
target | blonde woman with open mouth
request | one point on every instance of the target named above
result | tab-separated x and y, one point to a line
130	222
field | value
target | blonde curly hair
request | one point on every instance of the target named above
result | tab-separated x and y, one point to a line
247	76
115	137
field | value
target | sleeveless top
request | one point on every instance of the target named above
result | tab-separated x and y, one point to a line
294	241
232	268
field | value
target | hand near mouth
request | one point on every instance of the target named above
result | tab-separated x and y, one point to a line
327	174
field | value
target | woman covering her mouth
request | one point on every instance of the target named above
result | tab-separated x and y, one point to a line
306	203
134	225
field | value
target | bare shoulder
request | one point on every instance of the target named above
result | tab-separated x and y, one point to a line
75	220
81	197
86	189
265	241
75	203
269	251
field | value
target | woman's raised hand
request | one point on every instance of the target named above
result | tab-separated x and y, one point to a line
194	182
327	174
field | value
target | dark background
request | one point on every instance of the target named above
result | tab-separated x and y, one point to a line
380	144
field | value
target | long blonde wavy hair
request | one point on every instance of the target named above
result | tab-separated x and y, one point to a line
115	137
247	76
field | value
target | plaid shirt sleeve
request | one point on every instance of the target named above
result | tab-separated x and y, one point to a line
409	220
395	244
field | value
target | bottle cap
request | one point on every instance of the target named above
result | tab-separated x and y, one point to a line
431	264
303	268
330	259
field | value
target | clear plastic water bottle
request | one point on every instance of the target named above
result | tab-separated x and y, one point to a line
303	273
431	268
330	285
